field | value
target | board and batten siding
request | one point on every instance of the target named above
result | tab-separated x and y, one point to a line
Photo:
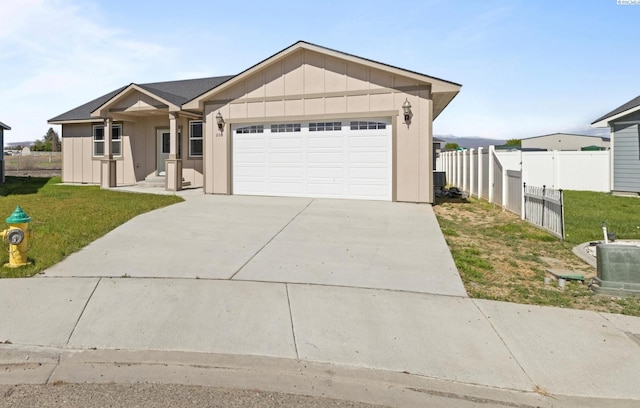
626	157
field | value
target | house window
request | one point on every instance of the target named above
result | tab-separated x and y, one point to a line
195	138
251	129
368	125
98	140
285	127
116	140
325	126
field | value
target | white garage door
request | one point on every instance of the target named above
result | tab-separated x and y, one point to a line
337	159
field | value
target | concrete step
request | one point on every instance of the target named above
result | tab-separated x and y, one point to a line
158	182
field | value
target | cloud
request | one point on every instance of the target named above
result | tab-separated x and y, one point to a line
59	54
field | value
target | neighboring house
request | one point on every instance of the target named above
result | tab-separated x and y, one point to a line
564	141
3	127
308	121
623	123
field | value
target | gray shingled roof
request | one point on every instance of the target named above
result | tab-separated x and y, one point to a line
176	92
5	127
629	105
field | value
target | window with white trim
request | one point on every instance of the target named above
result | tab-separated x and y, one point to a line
251	129
195	138
325	126
285	127
116	140
98	140
368	125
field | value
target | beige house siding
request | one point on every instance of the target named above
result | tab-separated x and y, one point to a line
139	152
307	85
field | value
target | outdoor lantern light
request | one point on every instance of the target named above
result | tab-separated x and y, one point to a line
406	107
220	121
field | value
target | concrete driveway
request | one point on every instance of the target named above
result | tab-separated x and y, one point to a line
362	244
351	299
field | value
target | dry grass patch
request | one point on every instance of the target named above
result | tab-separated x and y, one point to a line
501	257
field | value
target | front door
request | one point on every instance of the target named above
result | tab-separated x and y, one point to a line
164	141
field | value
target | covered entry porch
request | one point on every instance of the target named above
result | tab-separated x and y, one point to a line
144	137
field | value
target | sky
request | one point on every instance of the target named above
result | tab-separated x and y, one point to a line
527	67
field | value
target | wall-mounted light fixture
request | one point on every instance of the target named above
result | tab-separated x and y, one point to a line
406	107
220	121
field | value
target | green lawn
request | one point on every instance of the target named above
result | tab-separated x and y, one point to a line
66	218
585	211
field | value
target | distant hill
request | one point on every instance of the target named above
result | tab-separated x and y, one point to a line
470	142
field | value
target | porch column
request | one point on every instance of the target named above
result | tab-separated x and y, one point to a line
107	163
173	164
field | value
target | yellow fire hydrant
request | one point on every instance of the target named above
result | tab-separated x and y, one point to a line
17	235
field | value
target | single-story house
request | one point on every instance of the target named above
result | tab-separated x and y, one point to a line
308	121
564	141
623	123
3	127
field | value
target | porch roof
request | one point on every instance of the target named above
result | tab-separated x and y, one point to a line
175	92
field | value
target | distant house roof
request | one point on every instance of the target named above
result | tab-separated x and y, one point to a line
622	110
603	138
5	127
176	92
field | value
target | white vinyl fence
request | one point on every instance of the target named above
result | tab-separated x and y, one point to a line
499	177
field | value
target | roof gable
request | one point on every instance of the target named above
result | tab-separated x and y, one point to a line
170	92
446	89
622	110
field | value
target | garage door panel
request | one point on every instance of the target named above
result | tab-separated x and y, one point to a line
369	141
335	141
333	163
253	187
286	143
325	172
249	171
286	171
248	157
286	157
326	189
286	187
368	157
367	173
325	157
253	142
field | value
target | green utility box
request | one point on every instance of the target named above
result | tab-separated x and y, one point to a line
618	270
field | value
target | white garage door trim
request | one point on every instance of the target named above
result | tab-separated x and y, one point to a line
331	159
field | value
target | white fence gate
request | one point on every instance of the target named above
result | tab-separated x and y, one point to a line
544	207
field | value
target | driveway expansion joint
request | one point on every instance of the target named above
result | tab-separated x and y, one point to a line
271	239
495	330
293	329
75	325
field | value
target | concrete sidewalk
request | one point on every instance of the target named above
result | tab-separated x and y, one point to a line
393	336
501	346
